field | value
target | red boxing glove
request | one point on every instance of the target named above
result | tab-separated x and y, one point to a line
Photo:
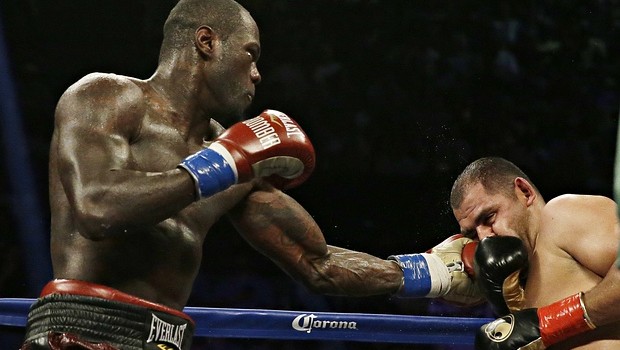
271	145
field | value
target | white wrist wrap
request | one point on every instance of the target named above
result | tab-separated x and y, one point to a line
440	276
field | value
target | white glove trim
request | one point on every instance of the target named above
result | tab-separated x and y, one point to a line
441	279
217	147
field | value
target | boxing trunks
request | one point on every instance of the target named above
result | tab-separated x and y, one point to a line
73	314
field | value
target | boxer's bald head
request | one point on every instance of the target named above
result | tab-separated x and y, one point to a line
223	16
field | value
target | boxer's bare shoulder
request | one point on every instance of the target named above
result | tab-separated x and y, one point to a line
104	102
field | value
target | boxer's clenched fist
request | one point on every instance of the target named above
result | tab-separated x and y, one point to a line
271	145
536	329
500	262
444	271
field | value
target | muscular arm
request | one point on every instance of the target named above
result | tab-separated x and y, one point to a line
602	300
278	227
594	245
96	121
588	236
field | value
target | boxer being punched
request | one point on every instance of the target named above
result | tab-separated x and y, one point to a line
141	169
570	243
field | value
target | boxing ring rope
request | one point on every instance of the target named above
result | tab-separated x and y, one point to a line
304	325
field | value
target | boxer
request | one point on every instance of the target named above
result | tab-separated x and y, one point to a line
571	244
141	169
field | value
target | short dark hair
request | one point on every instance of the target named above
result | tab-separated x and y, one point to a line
495	174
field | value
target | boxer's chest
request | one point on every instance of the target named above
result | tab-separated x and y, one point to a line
160	146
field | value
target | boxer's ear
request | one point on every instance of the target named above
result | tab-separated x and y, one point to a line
524	189
206	41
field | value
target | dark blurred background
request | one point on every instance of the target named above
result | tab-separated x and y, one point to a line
397	96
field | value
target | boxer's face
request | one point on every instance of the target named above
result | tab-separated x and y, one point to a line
233	75
482	214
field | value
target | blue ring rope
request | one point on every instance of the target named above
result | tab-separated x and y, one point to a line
304	325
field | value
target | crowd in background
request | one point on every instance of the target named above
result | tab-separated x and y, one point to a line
397	97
